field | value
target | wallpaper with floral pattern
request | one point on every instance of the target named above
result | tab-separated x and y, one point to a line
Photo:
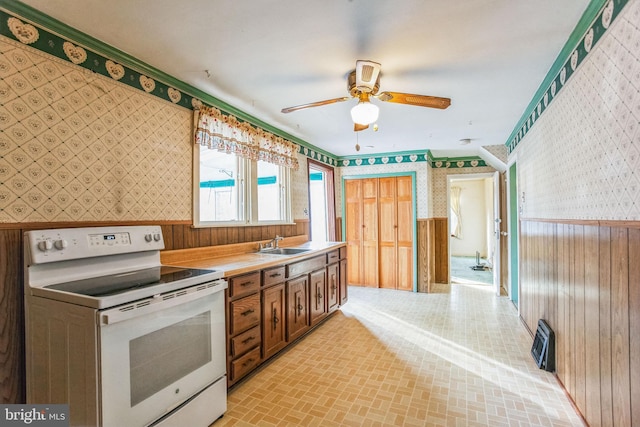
581	158
78	146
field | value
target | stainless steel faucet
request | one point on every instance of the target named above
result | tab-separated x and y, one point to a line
271	244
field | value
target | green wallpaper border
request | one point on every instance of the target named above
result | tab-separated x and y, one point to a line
411	157
569	59
53	33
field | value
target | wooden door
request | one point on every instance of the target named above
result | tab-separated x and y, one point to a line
333	283
273	320
343	282
388	226
353	232
404	232
369	261
297	307
318	296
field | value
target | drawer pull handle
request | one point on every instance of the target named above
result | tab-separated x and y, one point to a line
250	282
249	339
275	275
248	362
248	312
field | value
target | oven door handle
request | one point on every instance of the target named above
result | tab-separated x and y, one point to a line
159	302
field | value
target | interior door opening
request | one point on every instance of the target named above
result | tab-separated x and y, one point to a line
474	220
322	214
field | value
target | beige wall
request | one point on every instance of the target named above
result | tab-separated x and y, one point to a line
78	146
581	159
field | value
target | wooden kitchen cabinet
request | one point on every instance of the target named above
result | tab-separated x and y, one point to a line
245	313
269	309
244	335
318	303
273	321
333	286
343	282
297	307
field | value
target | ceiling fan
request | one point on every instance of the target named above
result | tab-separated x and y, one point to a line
363	83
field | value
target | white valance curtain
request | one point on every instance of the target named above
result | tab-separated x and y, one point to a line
226	133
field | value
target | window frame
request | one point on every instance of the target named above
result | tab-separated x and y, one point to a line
247	195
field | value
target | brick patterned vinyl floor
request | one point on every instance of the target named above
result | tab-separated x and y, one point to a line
456	357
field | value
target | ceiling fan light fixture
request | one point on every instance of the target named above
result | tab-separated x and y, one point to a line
364	113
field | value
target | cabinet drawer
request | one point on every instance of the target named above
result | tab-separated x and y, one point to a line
245	364
245	313
246	340
245	284
273	276
306	266
343	252
333	256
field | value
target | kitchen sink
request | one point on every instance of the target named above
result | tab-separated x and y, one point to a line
284	251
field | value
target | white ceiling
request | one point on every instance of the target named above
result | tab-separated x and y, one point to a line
488	56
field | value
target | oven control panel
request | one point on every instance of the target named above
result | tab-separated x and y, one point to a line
43	246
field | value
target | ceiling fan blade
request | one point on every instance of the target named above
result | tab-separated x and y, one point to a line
367	74
411	99
315	104
357	127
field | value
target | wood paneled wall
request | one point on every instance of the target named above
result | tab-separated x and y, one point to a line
583	278
176	236
441	249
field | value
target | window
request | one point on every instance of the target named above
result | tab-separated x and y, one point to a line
231	190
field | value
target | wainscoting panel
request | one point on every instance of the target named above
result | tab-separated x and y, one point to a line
583	278
441	249
426	254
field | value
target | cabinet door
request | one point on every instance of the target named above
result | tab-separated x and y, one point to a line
273	338
343	282
297	307
333	290
318	301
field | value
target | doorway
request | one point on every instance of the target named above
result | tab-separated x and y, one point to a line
474	219
322	211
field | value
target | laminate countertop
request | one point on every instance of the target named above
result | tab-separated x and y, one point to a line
243	262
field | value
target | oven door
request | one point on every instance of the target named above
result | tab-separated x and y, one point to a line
157	353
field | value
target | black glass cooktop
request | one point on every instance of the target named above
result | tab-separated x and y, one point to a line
118	283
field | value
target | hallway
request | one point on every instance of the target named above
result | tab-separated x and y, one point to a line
459	356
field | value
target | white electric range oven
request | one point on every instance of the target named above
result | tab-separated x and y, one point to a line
122	339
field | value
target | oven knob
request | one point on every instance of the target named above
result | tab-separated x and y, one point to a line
148	237
45	245
60	244
156	237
